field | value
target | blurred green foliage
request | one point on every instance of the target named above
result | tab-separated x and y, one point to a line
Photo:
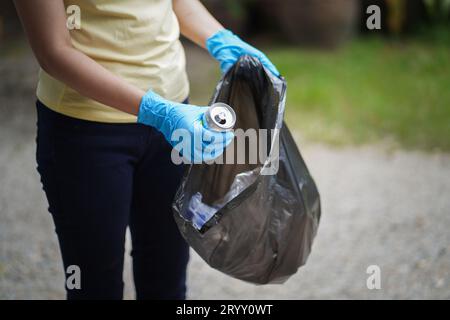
438	9
370	90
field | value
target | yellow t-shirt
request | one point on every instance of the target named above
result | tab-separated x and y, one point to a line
138	40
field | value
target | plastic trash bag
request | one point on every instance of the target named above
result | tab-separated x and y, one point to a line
250	224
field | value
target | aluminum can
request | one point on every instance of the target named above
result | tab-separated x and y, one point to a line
220	117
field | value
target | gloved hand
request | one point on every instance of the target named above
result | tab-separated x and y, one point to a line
175	120
226	47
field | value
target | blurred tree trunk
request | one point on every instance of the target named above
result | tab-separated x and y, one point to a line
396	16
404	15
416	15
324	23
9	22
231	13
309	22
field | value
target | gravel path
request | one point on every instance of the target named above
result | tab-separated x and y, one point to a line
380	207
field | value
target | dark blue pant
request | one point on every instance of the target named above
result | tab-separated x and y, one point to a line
100	178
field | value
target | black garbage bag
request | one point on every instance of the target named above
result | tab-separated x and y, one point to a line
247	220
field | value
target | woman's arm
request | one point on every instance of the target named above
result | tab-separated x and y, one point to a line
196	23
44	22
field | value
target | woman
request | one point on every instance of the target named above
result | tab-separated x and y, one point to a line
110	96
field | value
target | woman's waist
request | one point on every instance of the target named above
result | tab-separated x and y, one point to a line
63	99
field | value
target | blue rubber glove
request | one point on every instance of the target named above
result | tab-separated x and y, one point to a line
226	48
177	122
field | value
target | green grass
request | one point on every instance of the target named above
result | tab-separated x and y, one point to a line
370	90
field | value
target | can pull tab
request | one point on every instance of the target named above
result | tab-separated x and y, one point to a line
221	118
